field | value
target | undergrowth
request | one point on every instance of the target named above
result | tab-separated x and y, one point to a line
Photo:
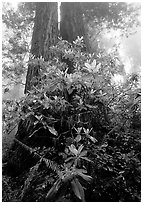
78	137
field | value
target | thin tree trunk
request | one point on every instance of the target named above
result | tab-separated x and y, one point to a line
45	34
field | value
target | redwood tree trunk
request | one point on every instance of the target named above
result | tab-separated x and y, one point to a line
45	34
45	31
72	24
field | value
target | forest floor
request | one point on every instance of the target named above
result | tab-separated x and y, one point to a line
10	187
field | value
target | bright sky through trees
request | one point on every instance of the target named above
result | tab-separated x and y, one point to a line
14	4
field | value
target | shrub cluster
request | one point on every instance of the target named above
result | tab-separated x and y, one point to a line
79	133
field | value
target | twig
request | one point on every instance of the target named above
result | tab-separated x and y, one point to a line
35	131
113	129
12	129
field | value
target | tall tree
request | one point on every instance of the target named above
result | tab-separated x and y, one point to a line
45	34
73	18
45	31
72	23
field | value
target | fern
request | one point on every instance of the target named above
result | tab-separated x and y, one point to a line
32	174
51	165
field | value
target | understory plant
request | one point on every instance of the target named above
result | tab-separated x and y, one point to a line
79	130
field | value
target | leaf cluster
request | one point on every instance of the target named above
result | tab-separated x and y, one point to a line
87	125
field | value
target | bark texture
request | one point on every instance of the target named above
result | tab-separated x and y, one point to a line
72	24
45	34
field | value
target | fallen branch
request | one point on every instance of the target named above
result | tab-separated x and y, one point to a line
24	146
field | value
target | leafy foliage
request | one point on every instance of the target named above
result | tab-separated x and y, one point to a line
90	128
115	14
17	32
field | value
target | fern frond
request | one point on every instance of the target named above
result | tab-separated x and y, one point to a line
51	165
32	174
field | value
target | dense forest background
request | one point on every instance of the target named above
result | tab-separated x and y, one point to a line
71	101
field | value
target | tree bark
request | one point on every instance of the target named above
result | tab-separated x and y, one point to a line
45	34
72	24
